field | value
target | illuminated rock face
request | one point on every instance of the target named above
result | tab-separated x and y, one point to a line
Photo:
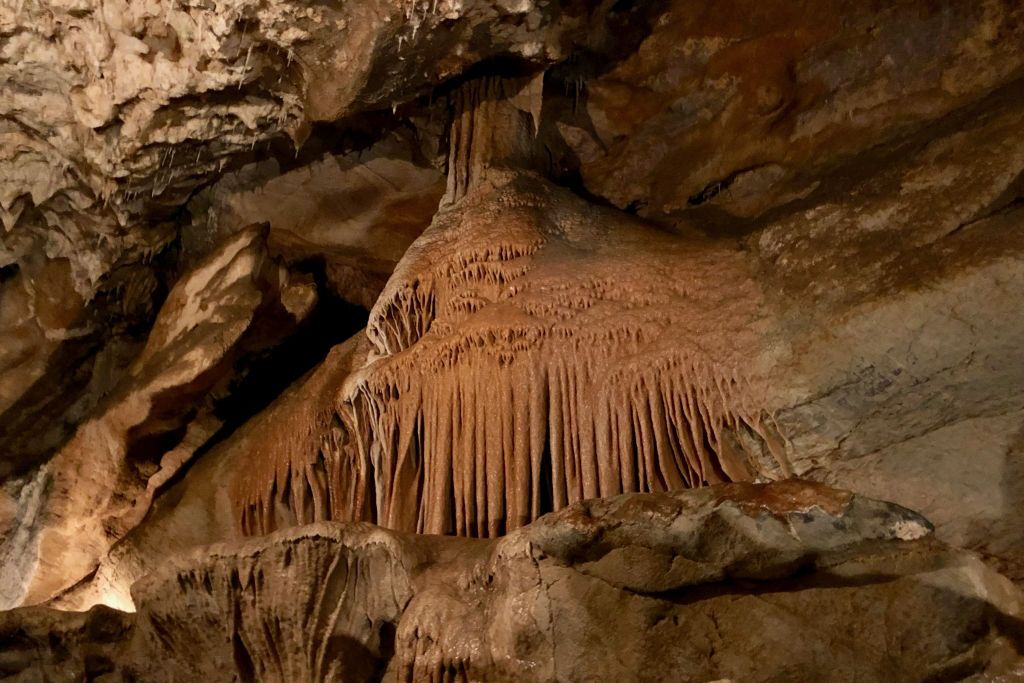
532	351
529	278
101	482
494	388
738	581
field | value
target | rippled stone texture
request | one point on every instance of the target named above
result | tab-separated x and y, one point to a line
749	582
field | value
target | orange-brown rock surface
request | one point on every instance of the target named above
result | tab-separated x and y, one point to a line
788	581
528	276
100	483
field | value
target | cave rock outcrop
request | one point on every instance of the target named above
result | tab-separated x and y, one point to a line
101	482
464	339
789	581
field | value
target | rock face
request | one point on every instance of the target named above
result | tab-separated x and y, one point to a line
739	581
352	273
909	358
99	485
106	112
735	109
358	213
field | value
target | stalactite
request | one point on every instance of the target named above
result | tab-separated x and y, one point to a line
299	466
531	350
487	130
486	444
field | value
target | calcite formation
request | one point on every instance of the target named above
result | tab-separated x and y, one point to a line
494	389
500	340
499	389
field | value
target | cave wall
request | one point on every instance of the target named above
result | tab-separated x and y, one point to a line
448	267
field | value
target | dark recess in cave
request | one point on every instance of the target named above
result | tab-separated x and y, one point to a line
262	377
267	374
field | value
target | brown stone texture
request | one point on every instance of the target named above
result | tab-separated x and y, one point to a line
787	581
445	340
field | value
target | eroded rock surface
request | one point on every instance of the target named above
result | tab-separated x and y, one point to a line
604	247
357	213
744	582
907	368
114	111
101	482
732	109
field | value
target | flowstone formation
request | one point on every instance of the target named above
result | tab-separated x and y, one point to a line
494	388
459	341
498	388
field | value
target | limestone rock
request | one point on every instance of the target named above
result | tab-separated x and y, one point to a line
906	373
357	212
788	581
102	481
113	111
271	473
605	248
728	110
801	373
37	643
